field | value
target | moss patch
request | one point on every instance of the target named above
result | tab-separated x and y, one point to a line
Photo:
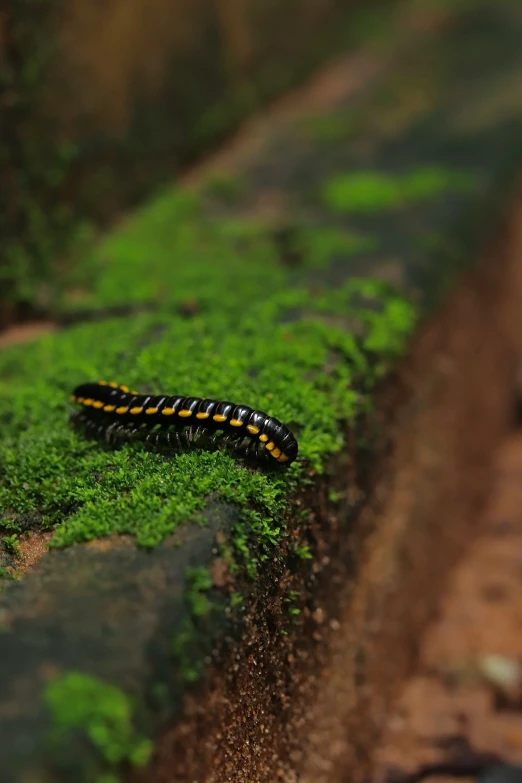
85	708
252	338
373	191
288	370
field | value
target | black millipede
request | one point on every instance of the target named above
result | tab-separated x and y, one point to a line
112	412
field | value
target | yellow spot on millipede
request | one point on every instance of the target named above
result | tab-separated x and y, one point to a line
202	415
236	423
219	417
168	411
134	392
136	410
124	389
270	446
122	409
109	408
283	458
97	404
88	401
80	399
151	410
253	430
263	438
276	453
72	398
185	413
114	385
102	383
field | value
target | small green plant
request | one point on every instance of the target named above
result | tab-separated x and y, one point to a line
11	545
236	599
102	712
293	611
190	666
200	581
303	551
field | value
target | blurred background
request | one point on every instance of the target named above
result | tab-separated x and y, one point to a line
103	102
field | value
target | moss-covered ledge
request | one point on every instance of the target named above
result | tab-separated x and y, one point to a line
191	598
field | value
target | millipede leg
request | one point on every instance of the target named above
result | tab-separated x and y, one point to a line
241	448
99	431
90	428
173	435
109	432
197	433
247	449
233	440
76	418
215	439
153	438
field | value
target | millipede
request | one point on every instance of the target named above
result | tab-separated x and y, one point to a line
115	414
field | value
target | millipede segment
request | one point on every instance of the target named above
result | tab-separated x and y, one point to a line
114	413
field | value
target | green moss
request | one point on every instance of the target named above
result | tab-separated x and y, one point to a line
320	247
189	667
372	191
287	350
11	545
236	599
430	181
101	713
292	611
200	582
88	492
303	552
188	656
365	192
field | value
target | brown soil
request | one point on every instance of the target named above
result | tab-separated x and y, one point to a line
454	702
33	546
23	332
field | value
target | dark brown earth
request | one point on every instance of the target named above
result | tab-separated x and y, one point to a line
467	691
439	470
21	333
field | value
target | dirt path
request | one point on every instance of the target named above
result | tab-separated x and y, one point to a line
468	688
